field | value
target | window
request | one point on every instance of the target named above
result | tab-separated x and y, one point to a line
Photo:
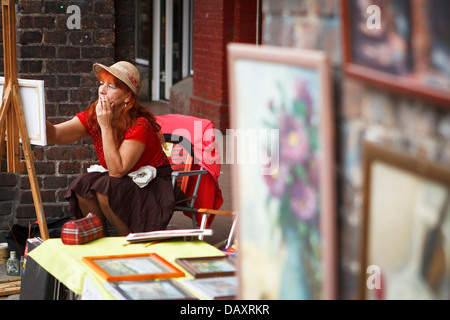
143	31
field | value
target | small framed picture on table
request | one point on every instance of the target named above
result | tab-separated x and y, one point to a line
133	267
204	267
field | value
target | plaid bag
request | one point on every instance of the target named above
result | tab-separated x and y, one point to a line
82	230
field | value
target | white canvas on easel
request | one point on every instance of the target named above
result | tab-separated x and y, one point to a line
12	115
33	101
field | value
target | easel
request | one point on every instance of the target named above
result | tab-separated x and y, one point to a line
12	118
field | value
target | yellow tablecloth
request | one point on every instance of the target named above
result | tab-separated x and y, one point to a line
64	261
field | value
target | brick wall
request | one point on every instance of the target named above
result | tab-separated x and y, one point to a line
124	30
217	23
63	58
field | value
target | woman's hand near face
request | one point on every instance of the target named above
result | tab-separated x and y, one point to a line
104	110
118	161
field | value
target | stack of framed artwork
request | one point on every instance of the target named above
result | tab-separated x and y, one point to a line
148	276
214	277
139	277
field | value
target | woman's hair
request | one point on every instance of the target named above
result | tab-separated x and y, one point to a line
133	110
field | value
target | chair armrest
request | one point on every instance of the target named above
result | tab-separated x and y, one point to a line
217	212
205	214
188	173
205	211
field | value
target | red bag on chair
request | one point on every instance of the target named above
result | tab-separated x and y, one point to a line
82	231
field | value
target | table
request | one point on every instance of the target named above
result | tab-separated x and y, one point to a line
64	261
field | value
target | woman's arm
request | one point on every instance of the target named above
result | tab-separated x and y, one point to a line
65	132
120	161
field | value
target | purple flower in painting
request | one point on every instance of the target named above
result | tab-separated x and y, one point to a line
303	201
302	93
277	181
294	146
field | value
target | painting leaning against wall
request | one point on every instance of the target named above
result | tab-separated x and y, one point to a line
405	227
286	229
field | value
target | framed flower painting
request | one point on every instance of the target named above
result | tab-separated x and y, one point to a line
282	140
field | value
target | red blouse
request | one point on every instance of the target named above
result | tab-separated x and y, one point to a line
141	130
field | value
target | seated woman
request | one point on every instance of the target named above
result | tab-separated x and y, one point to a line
126	138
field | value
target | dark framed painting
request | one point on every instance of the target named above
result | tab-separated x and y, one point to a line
401	45
405	247
205	267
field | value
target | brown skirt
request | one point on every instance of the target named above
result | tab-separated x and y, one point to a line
141	209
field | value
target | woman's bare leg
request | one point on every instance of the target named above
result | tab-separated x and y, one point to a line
91	206
120	226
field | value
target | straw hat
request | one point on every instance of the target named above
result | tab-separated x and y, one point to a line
123	71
